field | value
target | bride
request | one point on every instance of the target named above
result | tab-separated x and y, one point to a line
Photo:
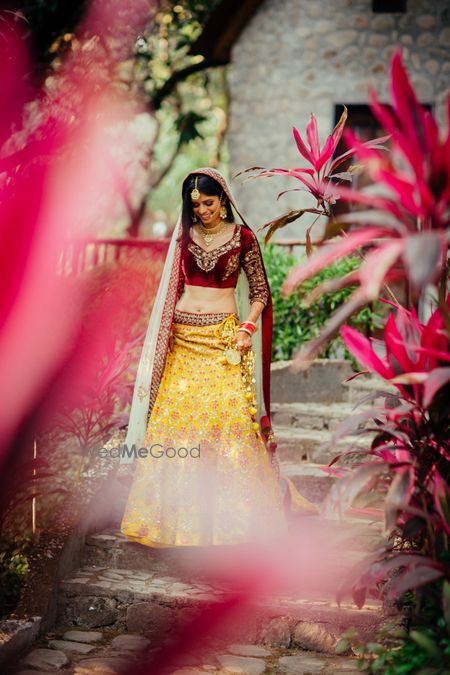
199	434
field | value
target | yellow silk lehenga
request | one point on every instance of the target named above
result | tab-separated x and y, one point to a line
209	479
206	473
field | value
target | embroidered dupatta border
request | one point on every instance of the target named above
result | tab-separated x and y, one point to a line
165	328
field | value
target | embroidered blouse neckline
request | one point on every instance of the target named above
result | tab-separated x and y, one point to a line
217	248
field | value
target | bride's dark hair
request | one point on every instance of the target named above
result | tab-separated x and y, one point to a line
208	186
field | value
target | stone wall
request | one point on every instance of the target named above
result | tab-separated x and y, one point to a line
301	56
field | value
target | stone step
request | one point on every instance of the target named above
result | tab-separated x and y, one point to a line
364	385
306	415
110	549
313	445
155	603
321	382
311	651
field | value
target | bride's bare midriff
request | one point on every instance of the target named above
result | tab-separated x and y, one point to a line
204	300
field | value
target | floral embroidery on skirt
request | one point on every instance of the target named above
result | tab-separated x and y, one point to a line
207	478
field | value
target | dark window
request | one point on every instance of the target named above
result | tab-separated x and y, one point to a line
388	6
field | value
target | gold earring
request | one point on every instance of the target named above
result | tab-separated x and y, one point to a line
223	212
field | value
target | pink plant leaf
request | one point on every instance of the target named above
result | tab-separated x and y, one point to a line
410	378
403	188
433	334
422	255
303	358
343	493
329	285
302	147
313	138
298	173
339	472
407	107
352	423
284	192
332	140
434	381
376	202
362	350
396	348
300	169
355	375
344	175
373	143
382	113
374	217
376	266
332	143
380	569
337	132
436	353
327	255
441	496
418	576
398	496
326	153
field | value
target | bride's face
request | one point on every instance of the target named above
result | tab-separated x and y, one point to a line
207	208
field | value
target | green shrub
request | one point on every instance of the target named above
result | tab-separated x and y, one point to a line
13	570
295	324
422	647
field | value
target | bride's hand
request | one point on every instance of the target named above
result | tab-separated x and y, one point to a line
243	341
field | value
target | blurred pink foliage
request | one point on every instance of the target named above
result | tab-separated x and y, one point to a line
409	457
54	165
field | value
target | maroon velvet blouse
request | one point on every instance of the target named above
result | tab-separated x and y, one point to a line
220	266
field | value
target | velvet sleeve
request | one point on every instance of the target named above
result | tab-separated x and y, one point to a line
253	265
181	282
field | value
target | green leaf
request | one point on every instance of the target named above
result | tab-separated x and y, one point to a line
342	646
375	647
427	644
446	603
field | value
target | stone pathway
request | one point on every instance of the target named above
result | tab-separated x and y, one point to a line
81	652
127	601
110	617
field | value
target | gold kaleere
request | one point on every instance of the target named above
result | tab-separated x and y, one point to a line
227	330
233	356
248	375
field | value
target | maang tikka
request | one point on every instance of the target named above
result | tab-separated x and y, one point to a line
195	194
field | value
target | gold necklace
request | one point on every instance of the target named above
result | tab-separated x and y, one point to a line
210	233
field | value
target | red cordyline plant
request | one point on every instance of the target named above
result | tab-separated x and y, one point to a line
408	461
405	227
321	180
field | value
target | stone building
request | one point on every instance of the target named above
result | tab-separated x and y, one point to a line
288	58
